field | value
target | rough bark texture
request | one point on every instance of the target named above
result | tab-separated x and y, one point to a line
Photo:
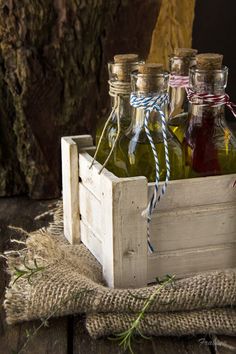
53	79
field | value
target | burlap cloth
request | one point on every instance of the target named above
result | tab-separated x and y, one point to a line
71	283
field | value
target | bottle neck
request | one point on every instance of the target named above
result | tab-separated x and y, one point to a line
137	126
123	107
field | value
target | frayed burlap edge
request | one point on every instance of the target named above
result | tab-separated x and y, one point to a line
72	270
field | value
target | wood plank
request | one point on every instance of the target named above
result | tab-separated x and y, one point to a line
197	191
70	187
91	241
225	344
90	210
124	247
200	226
90	176
70	148
48	340
21	212
156	345
187	262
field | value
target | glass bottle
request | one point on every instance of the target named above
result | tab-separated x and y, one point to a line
179	63
133	151
209	143
119	85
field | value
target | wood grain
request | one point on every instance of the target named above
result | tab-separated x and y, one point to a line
53	339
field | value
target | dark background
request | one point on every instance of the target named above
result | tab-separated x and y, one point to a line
53	74
214	30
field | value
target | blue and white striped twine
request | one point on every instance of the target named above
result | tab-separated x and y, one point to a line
149	104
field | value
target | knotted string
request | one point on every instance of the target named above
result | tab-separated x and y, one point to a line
116	89
178	81
149	104
211	100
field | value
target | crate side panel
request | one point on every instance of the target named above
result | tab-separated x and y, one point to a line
194	227
90	209
197	191
91	241
186	262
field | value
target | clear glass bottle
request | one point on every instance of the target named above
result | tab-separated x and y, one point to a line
134	156
210	145
119	85
179	63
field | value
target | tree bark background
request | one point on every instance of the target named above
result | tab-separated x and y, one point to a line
53	56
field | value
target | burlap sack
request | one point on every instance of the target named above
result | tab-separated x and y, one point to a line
71	282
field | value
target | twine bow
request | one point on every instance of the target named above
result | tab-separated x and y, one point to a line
211	100
149	104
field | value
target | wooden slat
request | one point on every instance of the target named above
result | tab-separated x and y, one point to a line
21	212
125	248
70	147
90	209
187	262
197	191
201	226
225	345
91	241
90	176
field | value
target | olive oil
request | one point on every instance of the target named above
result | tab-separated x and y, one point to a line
133	155
119	90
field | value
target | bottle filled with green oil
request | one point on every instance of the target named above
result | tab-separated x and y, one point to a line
179	64
133	154
120	114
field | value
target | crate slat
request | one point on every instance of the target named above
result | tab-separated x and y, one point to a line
90	209
194	227
91	241
197	191
186	262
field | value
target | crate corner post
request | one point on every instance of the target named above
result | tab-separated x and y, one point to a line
70	148
124	229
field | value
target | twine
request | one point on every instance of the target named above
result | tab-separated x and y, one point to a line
211	100
149	104
117	89
178	81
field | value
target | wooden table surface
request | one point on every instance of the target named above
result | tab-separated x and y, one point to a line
68	335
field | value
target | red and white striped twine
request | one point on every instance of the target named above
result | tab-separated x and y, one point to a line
178	81
211	100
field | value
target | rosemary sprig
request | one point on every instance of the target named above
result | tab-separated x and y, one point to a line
127	337
28	272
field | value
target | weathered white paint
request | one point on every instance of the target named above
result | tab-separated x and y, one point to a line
193	228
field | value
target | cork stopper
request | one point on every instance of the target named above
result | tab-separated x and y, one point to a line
185	52
150	68
123	65
126	58
147	78
209	61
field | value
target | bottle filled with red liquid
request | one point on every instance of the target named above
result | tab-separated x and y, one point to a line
210	146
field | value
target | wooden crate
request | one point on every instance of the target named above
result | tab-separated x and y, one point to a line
193	228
